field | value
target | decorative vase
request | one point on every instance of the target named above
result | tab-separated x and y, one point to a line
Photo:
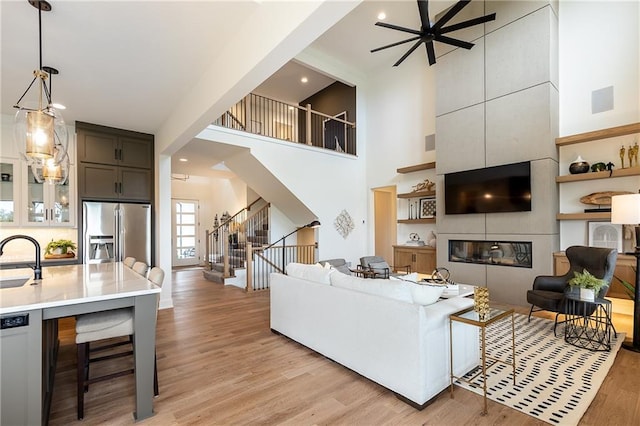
587	294
481	302
578	166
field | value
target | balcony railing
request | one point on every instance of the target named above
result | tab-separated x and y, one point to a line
263	116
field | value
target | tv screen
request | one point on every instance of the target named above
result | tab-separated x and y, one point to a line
496	189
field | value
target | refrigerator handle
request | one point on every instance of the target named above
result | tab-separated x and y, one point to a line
117	256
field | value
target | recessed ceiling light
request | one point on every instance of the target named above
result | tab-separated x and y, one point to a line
382	16
304	79
184	160
58	106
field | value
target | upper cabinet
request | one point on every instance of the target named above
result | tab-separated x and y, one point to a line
9	191
114	164
44	204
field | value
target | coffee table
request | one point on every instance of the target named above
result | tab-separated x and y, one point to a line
471	317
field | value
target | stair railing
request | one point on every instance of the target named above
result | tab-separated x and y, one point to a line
225	244
262	261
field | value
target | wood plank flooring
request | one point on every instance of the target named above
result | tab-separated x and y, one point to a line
219	364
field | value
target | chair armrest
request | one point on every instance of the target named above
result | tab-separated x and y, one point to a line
550	283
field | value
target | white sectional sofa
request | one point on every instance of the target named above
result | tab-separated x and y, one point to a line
373	328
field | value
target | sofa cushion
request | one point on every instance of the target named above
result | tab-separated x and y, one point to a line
316	273
397	290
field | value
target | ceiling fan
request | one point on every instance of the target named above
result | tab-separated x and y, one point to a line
429	33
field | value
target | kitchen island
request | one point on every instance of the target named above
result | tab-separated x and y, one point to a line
29	341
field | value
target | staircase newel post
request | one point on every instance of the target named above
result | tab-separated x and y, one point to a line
225	248
249	257
207	249
308	130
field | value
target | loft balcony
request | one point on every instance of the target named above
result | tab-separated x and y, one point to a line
290	122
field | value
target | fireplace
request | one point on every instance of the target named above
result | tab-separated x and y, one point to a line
501	253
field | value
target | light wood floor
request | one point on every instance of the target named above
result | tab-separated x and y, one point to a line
218	363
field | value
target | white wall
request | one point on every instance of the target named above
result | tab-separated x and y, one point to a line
590	62
400	112
599	47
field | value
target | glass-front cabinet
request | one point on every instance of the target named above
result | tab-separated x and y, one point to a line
47	204
9	192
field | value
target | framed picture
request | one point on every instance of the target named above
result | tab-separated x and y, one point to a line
427	208
605	234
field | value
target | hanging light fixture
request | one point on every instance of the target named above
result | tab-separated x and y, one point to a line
39	129
54	171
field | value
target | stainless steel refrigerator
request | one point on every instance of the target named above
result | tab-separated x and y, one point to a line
113	231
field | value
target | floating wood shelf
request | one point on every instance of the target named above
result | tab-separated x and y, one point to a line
612	132
425	220
629	171
417	167
417	194
584	216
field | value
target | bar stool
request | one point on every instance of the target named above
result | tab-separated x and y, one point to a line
129	261
141	268
107	325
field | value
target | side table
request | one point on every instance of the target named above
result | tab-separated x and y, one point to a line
471	317
588	323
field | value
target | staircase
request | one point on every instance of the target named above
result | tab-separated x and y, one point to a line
250	224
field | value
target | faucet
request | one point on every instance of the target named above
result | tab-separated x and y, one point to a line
37	269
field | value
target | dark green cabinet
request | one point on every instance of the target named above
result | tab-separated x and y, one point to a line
114	164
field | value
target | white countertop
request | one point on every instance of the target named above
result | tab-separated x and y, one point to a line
72	284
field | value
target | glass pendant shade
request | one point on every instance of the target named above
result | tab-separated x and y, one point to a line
53	170
39	135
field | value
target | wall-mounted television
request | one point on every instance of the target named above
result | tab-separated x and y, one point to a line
505	188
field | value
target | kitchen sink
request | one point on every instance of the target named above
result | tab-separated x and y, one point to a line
11	282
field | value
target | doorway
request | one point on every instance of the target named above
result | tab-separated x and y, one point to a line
185	230
384	218
334	133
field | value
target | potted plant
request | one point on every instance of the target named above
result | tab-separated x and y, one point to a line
60	247
588	284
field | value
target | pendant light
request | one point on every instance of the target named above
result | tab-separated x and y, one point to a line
39	131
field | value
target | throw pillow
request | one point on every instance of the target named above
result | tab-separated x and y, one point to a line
413	277
313	273
425	294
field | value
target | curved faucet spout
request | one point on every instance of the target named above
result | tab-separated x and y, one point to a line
37	269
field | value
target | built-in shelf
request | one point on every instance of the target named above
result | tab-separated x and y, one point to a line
417	167
611	132
417	194
424	220
584	216
629	171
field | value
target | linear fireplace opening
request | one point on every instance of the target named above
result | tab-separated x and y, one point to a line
501	253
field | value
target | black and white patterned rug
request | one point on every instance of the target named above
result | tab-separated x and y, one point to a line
555	381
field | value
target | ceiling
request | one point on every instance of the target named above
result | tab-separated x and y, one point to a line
123	64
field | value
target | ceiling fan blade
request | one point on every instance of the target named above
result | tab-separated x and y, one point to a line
431	54
454	42
395	27
395	44
469	23
423	8
409	52
450	14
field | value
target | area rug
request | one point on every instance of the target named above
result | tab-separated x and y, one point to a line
555	381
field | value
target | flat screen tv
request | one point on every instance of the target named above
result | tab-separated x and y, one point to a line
496	189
